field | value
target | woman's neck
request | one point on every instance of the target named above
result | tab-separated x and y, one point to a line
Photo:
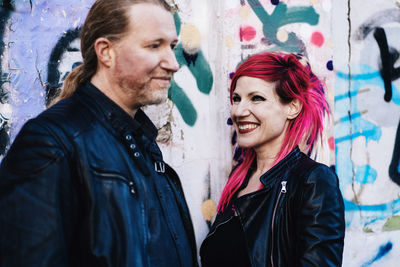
266	158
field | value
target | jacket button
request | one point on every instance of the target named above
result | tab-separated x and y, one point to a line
128	137
132	146
137	154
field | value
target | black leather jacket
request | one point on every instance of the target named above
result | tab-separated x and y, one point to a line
84	184
297	219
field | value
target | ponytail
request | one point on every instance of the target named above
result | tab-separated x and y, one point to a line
77	76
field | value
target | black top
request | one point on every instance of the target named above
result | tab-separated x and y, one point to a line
226	247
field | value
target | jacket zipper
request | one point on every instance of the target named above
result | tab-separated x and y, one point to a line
283	191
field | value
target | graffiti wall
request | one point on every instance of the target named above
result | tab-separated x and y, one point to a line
354	53
367	133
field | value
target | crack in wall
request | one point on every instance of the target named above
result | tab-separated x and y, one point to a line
39	74
355	199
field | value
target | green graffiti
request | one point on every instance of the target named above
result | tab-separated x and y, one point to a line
183	103
282	15
201	71
367	230
392	224
177	21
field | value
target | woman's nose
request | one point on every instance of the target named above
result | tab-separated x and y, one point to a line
240	109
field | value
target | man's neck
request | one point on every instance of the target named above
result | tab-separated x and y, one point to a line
106	87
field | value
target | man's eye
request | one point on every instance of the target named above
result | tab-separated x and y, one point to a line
154	46
257	98
173	46
236	98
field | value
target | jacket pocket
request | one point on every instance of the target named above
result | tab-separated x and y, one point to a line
110	177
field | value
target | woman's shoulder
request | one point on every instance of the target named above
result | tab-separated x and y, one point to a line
313	174
312	171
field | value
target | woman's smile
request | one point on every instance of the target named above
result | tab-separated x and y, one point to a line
246	127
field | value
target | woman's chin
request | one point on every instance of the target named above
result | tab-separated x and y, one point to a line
245	145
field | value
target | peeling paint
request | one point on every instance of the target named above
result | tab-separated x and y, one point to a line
164	133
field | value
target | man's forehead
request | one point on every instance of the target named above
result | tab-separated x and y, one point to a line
145	13
151	18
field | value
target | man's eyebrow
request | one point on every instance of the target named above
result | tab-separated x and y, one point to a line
161	40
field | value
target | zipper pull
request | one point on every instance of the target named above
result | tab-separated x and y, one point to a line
283	190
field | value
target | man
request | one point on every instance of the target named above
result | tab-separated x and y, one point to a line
84	183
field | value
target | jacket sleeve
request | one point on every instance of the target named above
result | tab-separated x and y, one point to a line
35	197
321	222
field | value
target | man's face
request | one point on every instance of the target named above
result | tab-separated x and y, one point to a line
144	57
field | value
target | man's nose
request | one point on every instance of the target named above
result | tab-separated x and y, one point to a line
169	61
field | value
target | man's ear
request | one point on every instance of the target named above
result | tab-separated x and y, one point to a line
104	51
295	107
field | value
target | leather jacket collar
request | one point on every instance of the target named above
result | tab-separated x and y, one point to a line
276	174
114	114
280	171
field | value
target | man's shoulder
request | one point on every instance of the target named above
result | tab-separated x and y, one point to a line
49	136
68	115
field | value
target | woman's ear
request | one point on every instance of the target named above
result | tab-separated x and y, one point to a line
295	106
104	51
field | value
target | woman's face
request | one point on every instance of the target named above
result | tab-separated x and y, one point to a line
259	117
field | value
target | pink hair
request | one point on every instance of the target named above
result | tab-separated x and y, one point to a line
293	81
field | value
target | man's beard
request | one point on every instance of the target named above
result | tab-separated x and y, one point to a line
158	96
145	93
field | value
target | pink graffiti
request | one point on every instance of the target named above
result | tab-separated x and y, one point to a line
247	33
331	142
317	39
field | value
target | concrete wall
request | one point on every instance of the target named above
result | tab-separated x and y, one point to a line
366	49
352	47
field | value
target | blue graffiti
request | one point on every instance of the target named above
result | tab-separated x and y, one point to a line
372	77
348	130
383	250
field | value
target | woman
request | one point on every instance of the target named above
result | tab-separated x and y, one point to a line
279	207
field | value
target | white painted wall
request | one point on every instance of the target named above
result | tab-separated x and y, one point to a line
221	34
364	146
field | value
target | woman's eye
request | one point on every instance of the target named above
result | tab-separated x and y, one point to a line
257	98
236	99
